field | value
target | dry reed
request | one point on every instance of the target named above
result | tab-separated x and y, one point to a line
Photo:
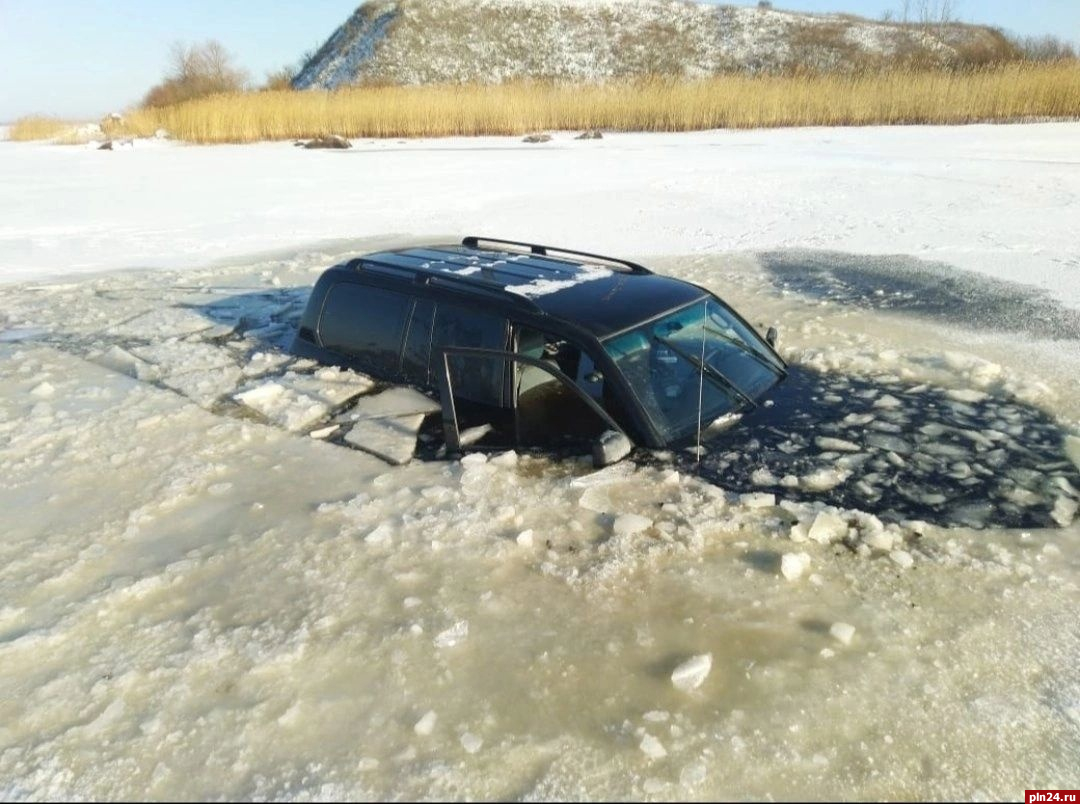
37	127
1011	92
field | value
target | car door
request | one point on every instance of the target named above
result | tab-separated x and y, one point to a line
546	407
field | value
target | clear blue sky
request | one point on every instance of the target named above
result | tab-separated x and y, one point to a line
84	58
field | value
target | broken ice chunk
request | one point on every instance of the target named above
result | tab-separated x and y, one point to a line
887	402
693	774
392	439
297	402
652	748
902	559
824	479
264	362
763	477
204	388
393	402
842	632
453	635
692	673
331	386
793	565
426	725
1064	511
758	500
380	535
827	528
827	444
880	540
467	438
631	524
609	474
124	362
166	322
471	742
858	419
884	441
967	395
1072	449
180	356
504	459
272	401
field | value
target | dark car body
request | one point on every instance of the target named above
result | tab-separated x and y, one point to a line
543	347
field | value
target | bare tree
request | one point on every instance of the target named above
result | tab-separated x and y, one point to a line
1044	48
196	71
936	12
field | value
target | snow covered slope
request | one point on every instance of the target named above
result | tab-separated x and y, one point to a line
429	41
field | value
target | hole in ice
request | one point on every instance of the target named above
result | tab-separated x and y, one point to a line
930	289
901	451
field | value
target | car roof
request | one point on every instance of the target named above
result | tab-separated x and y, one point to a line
602	295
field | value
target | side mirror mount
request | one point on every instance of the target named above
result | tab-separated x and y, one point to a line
772	337
611	447
594	377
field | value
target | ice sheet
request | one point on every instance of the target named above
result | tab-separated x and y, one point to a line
392	437
196	602
998	200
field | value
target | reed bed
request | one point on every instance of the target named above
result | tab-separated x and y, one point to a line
38	127
1020	91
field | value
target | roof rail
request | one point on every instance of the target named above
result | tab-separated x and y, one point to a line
450	278
472	241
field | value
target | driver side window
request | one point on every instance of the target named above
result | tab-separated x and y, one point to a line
548	411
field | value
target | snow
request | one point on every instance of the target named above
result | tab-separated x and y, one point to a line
199	599
632	194
544	287
419	41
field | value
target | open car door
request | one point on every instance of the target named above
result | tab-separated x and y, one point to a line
543	408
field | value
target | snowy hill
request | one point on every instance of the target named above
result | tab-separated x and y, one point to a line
432	41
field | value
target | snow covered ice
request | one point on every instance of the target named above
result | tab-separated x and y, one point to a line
205	590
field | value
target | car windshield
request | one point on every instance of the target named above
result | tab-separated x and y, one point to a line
662	360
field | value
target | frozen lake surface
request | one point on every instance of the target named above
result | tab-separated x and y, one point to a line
211	584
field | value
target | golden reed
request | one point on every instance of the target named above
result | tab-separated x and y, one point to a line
1019	91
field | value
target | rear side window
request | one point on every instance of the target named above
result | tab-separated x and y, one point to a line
366	324
457	326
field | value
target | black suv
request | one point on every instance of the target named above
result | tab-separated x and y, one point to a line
533	346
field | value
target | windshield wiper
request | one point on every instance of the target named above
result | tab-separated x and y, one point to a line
744	348
707	369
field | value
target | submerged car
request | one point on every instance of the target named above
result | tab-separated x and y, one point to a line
531	346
